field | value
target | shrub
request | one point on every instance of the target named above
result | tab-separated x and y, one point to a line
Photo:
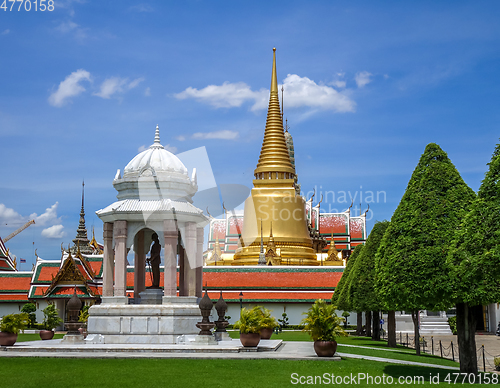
322	322
84	314
14	323
283	321
51	318
452	321
30	309
268	321
250	320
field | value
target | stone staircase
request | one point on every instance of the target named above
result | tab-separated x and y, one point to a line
434	325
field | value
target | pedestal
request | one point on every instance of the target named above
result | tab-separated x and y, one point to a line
222	336
205	340
151	296
73	339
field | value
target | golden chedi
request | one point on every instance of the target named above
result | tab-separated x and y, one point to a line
274	200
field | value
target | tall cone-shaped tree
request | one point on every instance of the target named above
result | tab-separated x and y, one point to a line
341	297
365	297
412	274
475	261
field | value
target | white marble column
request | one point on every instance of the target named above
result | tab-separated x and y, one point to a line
120	232
108	260
139	264
170	236
190	263
199	261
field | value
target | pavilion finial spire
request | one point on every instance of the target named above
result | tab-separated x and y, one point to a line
274	161
157	143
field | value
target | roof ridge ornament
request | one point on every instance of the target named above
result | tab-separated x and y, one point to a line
157	143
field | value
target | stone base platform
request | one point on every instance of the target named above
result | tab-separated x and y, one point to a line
60	347
143	323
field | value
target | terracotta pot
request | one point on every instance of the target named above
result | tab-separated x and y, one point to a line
325	348
250	339
83	332
46	334
7	339
266	333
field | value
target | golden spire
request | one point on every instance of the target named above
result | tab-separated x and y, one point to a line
274	161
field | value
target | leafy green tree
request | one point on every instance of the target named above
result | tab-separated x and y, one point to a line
364	294
411	268
30	309
341	297
474	261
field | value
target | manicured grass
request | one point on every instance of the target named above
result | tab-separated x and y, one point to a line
185	373
382	350
34	337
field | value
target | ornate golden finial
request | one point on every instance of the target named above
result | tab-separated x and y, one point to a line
15	263
274	161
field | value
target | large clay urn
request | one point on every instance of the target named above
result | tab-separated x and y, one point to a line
46	334
7	339
250	339
325	348
266	333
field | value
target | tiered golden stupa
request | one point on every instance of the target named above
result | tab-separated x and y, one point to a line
274	200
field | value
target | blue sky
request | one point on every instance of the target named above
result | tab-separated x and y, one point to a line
367	86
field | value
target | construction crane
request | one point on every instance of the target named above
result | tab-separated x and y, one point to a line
15	233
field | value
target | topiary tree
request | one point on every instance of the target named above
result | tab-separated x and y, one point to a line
364	295
474	261
30	309
340	297
412	274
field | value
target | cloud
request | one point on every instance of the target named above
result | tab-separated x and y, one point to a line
170	148
141	8
142	148
227	95
362	78
299	92
9	216
224	135
115	85
71	27
50	216
5	32
180	138
55	231
304	92
147	92
70	87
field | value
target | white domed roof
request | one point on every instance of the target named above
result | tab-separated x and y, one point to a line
155	158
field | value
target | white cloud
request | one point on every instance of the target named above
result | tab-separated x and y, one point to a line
141	8
55	231
70	87
223	134
147	92
227	95
9	216
5	32
142	148
180	138
71	27
50	216
115	85
302	91
339	84
362	78
299	92
170	148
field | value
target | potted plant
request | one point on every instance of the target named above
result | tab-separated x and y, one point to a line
83	318
324	326
249	326
10	326
51	320
268	324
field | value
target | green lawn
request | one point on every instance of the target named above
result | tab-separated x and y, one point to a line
33	337
185	373
382	350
